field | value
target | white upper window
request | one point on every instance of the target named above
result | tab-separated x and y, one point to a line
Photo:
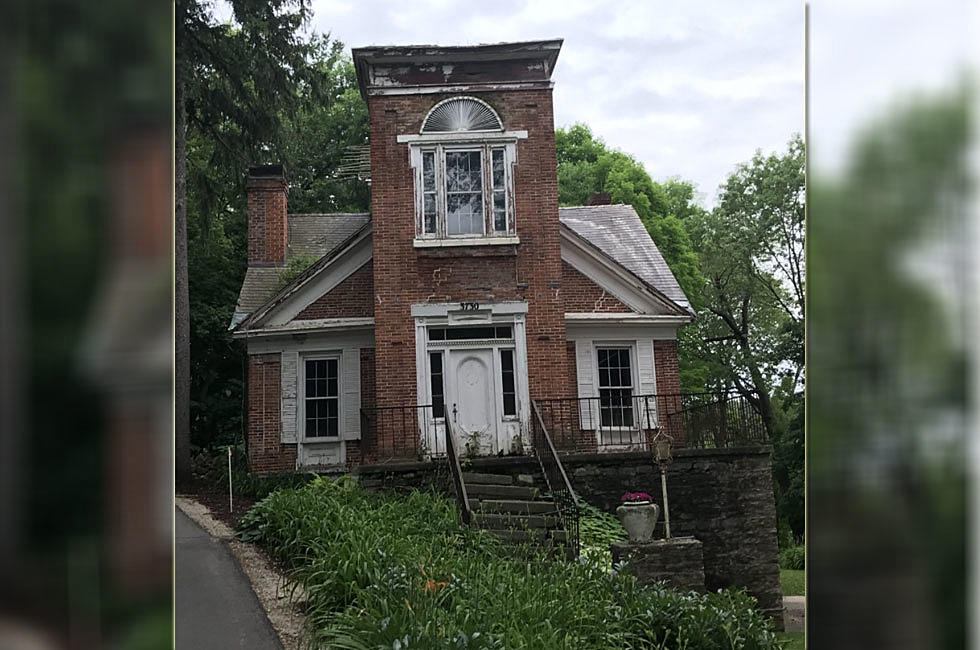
464	183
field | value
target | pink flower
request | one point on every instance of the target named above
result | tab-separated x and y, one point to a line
636	496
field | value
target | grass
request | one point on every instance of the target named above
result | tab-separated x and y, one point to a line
400	572
793	582
793	640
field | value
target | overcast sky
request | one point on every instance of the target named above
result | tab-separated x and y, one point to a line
690	89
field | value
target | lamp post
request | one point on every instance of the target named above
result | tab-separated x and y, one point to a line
662	456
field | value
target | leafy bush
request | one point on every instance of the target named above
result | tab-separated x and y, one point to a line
793	557
597	530
211	467
384	571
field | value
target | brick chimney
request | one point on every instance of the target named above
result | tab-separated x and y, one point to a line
603	198
267	230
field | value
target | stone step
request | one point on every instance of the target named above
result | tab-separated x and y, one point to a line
513	521
479	491
475	478
532	535
515	506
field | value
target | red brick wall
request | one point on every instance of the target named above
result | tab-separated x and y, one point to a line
668	386
405	275
581	295
267	233
352	298
265	451
365	447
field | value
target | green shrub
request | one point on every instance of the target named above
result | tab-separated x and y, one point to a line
210	466
597	530
793	557
386	571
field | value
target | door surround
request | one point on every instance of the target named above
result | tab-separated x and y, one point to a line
439	315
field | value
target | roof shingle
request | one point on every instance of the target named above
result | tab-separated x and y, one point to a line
614	229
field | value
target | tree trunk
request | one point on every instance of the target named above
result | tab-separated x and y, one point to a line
182	354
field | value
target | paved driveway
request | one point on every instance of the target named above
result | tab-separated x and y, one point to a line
215	604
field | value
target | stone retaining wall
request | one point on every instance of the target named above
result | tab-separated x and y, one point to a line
721	497
678	561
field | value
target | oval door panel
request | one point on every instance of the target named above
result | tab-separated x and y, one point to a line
474	395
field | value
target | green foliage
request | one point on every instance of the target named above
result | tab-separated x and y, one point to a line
792	582
402	572
210	466
597	530
304	113
793	557
294	266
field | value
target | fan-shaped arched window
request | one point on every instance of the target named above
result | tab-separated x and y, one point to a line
461	114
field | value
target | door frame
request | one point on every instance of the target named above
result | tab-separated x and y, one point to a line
431	315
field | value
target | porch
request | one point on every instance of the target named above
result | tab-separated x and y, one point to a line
575	425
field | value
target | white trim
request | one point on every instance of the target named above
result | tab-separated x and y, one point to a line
626	319
466	241
345	263
446	309
313	326
330	355
472	99
454	137
419	89
613	277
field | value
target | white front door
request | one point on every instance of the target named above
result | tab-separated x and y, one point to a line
472	400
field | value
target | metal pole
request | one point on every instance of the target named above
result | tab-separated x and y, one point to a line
231	502
663	490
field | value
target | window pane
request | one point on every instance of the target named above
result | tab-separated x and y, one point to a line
507	382
435	379
464	214
463	171
437	334
428	171
499	211
615	387
498	168
429	212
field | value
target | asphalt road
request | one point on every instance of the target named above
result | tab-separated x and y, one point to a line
215	604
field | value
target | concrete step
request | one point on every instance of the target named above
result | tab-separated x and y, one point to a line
475	478
480	491
513	521
515	506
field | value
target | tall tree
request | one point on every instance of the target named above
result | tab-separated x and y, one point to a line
234	84
750	250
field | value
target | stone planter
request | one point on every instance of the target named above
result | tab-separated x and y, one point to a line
638	518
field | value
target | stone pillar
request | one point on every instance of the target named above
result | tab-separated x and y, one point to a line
677	561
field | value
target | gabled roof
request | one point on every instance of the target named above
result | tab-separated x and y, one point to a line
311	235
614	230
617	231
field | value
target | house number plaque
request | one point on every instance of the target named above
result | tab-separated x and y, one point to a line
469	306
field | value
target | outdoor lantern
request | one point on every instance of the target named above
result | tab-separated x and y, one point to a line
662	456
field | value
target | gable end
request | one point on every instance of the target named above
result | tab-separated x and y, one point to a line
352	298
582	295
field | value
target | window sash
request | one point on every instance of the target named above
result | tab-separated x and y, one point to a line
614	367
487	193
321	397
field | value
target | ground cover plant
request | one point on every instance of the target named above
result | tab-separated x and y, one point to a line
400	571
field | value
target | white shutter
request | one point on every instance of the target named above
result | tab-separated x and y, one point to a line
350	384
585	368
647	378
289	371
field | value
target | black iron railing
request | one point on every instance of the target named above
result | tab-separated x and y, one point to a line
718	421
613	422
399	432
457	474
554	475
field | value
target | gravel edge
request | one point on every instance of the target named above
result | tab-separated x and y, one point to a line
270	586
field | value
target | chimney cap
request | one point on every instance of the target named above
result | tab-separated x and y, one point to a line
266	171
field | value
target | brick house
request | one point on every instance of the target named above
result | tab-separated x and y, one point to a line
466	294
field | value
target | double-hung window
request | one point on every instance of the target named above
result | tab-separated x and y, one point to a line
465	191
463	161
615	387
321	398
